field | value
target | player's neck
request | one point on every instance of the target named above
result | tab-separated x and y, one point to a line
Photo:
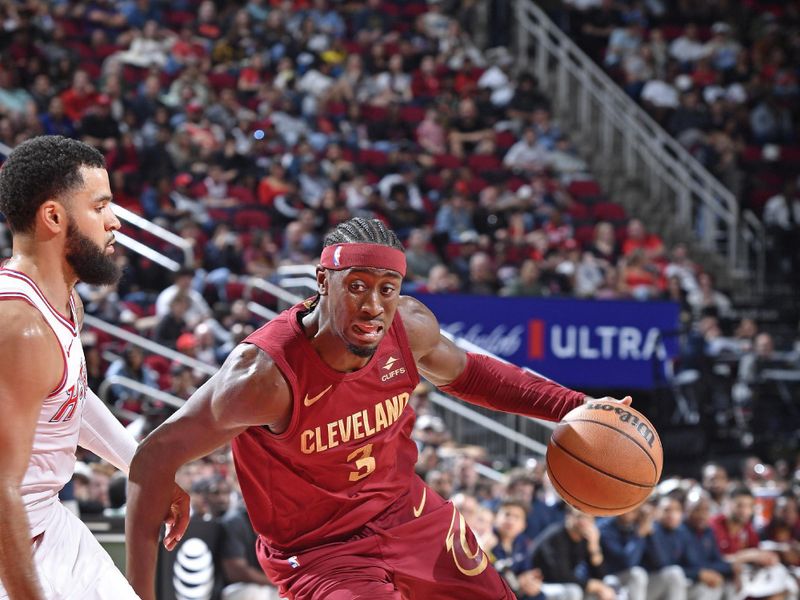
329	346
46	268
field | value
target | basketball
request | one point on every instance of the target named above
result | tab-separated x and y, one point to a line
604	458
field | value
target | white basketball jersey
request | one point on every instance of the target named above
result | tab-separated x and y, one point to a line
53	455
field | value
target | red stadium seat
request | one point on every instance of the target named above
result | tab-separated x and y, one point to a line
373	158
412	114
584	188
373	113
247	219
242	194
484	162
584	235
234	290
505	139
609	211
447	161
578	211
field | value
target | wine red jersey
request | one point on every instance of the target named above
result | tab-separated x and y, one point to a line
347	454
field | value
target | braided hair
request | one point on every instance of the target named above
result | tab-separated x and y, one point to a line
364	231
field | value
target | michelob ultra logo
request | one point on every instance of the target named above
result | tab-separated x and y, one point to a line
593	342
626	416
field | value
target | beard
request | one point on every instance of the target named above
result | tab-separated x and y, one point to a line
362	351
89	261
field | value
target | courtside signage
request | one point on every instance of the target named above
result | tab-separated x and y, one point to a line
588	343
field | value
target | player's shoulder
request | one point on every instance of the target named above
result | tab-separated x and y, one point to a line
22	323
252	387
25	333
249	368
420	324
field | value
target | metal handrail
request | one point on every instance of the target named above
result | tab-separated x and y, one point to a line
139	387
270	288
461	410
670	173
146	251
158	231
149	345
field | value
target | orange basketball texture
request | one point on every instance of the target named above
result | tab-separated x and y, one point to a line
604	458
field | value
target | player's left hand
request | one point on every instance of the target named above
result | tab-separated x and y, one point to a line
626	400
177	519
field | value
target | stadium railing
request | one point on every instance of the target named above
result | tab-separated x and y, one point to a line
691	198
164	234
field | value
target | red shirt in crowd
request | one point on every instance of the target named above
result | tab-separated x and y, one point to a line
730	543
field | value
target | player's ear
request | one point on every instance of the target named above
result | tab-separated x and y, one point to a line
52	215
322	280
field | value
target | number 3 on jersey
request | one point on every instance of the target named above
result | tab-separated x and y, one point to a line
364	462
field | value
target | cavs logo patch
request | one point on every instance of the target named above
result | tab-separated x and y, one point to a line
469	562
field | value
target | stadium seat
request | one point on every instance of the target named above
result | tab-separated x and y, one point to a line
251	218
609	211
447	161
585	188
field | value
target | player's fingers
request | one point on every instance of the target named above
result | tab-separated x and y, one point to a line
177	522
627	400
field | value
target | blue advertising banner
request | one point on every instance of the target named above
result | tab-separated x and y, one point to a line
579	343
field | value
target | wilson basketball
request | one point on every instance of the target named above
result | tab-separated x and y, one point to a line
604	458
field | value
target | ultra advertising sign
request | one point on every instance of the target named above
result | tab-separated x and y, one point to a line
579	343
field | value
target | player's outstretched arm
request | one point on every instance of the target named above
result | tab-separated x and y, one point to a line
480	379
247	390
31	367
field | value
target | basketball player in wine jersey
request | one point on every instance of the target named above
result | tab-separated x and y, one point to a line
316	403
55	195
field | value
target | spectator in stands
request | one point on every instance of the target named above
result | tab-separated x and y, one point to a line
571	559
623	540
513	549
527	282
79	97
198	310
713	574
733	529
244	578
482	279
527	98
715	481
170	326
624	42
708	298
441	280
98	127
688	48
683	268
784	529
668	552
640	276
527	156
738	543
131	366
782	219
419	259
770	122
469	132
690	120
639	238
54	121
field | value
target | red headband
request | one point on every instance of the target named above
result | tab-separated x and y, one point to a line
375	256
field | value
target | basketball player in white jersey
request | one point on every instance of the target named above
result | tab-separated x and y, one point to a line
55	195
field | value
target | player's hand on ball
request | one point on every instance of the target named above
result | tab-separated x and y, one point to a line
626	400
177	519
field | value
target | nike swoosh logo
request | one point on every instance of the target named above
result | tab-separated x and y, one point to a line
309	401
418	511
